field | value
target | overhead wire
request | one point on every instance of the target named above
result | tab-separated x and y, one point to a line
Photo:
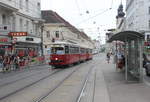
111	6
78	7
85	4
94	16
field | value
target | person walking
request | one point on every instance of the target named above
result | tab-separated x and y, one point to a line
16	62
1	61
108	57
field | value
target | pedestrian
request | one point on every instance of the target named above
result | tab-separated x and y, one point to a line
16	62
8	68
120	60
108	57
1	61
6	63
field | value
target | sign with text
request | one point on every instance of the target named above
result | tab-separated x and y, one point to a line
18	34
3	39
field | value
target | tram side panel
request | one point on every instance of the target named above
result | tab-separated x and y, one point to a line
90	55
83	55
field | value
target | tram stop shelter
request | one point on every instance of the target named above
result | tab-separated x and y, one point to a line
133	54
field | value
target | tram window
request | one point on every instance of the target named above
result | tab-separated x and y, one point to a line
82	50
66	49
87	50
74	50
57	50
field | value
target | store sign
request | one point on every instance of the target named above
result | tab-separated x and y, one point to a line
3	39
18	34
27	39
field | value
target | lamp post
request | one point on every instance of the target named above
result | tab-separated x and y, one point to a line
42	29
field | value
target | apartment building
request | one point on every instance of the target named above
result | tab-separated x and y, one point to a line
58	29
20	27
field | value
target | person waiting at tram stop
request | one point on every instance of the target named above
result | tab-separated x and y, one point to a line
146	64
120	60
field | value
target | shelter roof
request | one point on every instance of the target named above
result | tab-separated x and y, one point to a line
126	35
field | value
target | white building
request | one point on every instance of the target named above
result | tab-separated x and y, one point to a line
58	29
22	22
138	15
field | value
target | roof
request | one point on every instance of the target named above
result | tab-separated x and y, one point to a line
52	17
123	36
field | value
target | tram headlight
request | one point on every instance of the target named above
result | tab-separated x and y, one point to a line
56	58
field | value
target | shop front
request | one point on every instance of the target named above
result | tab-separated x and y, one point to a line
5	45
28	48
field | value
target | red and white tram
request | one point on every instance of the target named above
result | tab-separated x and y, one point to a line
63	53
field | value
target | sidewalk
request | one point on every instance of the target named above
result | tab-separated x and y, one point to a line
114	88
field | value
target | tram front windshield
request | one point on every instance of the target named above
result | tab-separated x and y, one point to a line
57	50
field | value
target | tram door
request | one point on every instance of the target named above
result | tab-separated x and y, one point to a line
134	60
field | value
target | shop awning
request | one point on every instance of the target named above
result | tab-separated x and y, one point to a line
126	35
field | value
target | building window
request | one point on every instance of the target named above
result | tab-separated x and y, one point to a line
57	34
149	24
39	5
149	10
3	19
20	4
27	26
47	34
27	5
21	24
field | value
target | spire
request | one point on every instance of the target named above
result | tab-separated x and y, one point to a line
120	11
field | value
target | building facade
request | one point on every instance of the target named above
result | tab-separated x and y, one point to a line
58	29
20	23
138	15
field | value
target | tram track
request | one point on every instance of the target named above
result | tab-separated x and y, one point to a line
82	92
59	84
19	72
20	89
34	83
11	82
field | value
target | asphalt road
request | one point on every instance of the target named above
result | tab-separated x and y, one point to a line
91	81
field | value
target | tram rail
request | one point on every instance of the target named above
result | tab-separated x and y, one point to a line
53	89
79	98
11	82
35	82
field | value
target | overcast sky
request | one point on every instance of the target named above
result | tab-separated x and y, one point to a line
94	16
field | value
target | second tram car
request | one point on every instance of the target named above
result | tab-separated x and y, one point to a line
63	53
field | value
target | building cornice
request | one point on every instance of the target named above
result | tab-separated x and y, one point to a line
30	17
8	7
